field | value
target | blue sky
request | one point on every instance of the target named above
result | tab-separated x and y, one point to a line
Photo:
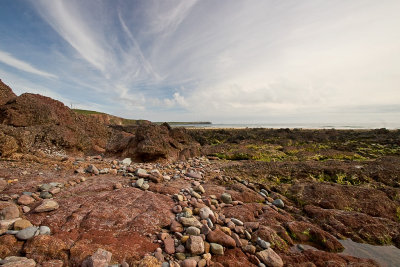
223	61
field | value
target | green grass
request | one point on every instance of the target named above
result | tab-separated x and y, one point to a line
86	112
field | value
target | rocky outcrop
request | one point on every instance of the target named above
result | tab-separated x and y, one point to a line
6	93
155	143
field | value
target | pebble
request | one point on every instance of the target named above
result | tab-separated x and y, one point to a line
226	198
237	222
165	264
263	244
22	224
169	245
45	195
26	209
140	182
25	200
278	203
45	187
199	189
216	249
27	233
270	258
47	205
194	175
265	192
92	169
180	256
189	263
193	230
205	212
117	186
190	222
195	245
44	230
126	161
247	234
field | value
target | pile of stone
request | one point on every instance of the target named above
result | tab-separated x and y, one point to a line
200	230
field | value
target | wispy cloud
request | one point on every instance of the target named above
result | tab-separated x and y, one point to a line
226	60
9	60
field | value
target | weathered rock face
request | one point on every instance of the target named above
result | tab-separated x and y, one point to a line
113	225
6	93
47	123
156	143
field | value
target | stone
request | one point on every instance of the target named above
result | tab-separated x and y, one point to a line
237	222
196	195
226	230
47	205
189	263
279	203
205	229
126	161
117	186
190	222
192	231
202	263
176	227
145	186
45	187
26	209
165	264
20	262
100	258
140	182
199	189
180	249
27	233
7	224
55	190
169	245
159	255
249	249
180	256
270	258
92	169
25	200
177	209
44	230
45	195
8	210
195	245
263	244
226	198
237	239
194	175
205	212
216	249
22	224
219	237
142	173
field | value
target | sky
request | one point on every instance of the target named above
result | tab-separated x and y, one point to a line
225	61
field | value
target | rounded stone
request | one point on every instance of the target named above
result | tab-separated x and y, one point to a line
226	198
25	200
22	224
44	230
27	233
216	249
205	212
192	231
279	203
45	195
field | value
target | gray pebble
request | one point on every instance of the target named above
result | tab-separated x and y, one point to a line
44	230
27	233
279	203
237	222
263	244
45	195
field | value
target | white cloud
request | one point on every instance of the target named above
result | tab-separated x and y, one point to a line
8	59
234	59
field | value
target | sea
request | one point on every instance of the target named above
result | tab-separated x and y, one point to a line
354	126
